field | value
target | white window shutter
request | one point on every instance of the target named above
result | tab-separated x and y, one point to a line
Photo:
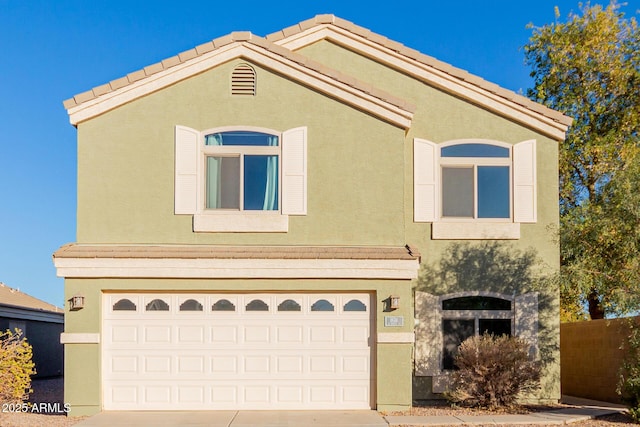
186	170
524	182
428	345
425	181
526	320
294	171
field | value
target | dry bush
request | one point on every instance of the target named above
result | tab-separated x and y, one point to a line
16	367
493	372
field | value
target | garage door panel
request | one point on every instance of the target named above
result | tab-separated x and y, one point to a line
207	352
156	364
156	334
123	334
224	334
190	334
224	364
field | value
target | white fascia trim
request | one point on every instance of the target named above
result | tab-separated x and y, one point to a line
475	230
236	268
79	338
314	79
428	74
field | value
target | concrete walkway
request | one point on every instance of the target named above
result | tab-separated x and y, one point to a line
580	410
235	419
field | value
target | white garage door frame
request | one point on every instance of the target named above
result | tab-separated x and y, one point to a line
273	351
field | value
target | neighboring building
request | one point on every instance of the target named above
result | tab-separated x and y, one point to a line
255	213
41	324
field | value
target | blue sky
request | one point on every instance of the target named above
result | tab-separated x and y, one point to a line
52	50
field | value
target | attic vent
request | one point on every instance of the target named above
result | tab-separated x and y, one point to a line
243	80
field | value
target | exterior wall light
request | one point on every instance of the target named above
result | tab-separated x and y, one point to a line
394	302
76	302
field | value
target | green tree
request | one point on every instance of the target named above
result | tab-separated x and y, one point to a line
589	68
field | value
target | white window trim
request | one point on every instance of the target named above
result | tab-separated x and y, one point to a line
190	199
429	333
428	165
233	220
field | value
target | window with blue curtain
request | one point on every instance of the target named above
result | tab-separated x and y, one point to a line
242	169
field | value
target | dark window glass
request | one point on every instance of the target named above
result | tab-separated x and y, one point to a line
157	305
493	192
289	305
322	305
496	327
124	305
457	192
355	305
191	305
223	305
454	332
257	305
474	150
476	303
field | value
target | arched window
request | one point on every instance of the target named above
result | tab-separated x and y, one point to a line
191	305
462	182
355	305
223	305
157	305
469	315
257	305
289	305
124	305
242	170
476	180
322	305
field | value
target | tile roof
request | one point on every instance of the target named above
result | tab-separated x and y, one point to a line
420	57
76	250
13	297
235	37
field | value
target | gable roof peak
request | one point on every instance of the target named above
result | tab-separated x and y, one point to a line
436	72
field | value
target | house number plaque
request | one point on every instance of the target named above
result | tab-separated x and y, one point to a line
393	321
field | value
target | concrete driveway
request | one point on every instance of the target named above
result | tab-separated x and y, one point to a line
235	419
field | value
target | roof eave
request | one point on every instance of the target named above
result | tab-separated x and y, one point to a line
239	45
430	70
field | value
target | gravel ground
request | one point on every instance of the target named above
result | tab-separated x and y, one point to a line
50	391
441	408
46	410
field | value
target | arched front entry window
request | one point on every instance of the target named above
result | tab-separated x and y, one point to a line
471	315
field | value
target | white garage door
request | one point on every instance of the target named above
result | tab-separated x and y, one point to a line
237	351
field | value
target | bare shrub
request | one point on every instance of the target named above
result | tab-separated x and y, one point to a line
16	367
493	372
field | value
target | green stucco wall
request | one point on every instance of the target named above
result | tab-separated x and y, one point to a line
439	118
391	362
360	192
353	163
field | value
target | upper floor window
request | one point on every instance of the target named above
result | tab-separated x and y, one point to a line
240	179
475	188
242	171
476	181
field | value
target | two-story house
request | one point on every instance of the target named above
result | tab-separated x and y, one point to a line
259	220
